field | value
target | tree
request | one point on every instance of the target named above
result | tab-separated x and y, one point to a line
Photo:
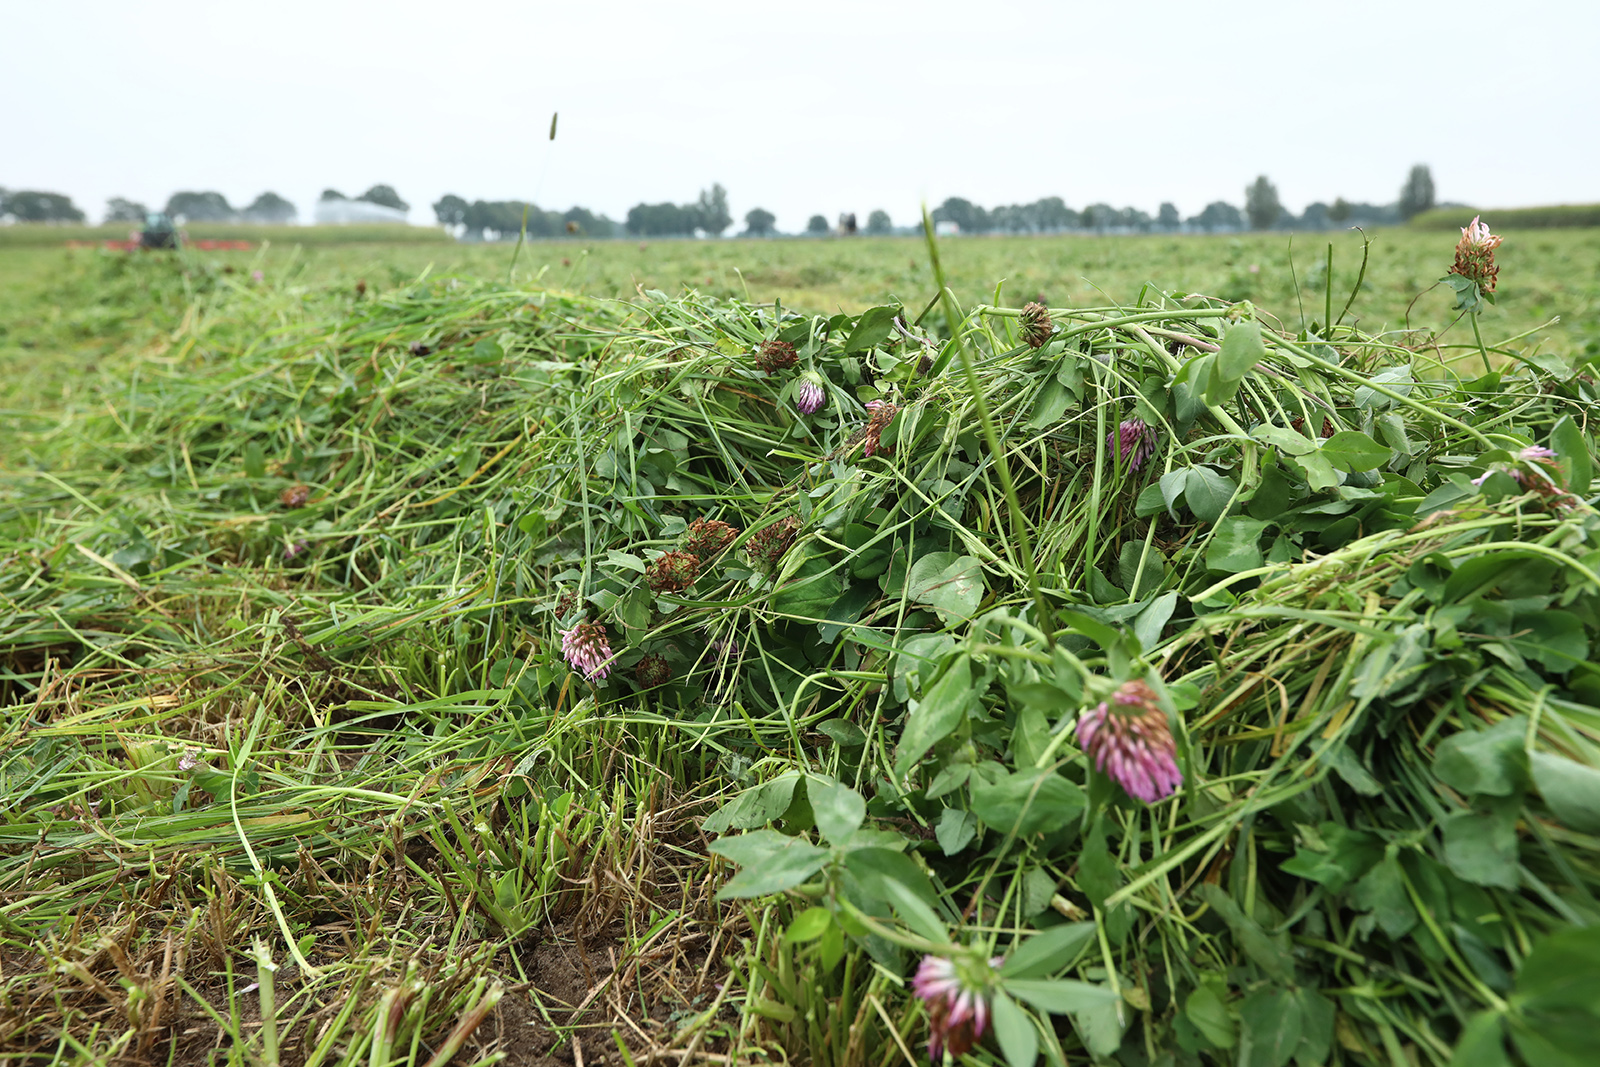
200	207
271	208
1219	215
383	196
451	210
817	225
1052	214
1261	204
1167	217
660	220
120	210
580	220
1316	216
1131	218
964	213
31	205
332	194
879	223
758	222
711	210
1340	211
1416	195
1099	217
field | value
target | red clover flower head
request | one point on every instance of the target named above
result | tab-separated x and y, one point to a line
672	572
1135	442
1128	739
956	994
880	414
774	356
767	545
652	670
1036	325
1475	255
1529	472
587	647
706	537
808	395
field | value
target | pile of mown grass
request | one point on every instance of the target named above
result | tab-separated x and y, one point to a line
282	653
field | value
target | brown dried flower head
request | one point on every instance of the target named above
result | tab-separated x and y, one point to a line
295	496
1036	325
774	356
672	572
707	537
882	412
767	545
652	670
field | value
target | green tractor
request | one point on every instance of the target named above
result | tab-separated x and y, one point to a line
158	232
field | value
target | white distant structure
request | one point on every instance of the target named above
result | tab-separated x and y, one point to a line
340	212
946	228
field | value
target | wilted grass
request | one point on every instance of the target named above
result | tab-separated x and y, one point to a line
293	770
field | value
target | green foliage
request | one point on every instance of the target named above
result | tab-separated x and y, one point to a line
384	196
28	205
1376	671
759	222
200	207
1416	195
119	210
711	211
1261	204
269	208
1519	218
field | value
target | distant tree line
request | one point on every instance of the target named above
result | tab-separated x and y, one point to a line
500	219
708	215
26	205
1262	211
481	220
485	220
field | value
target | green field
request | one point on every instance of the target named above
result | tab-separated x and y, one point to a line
1545	274
1224	674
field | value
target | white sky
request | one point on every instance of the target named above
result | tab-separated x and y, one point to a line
809	108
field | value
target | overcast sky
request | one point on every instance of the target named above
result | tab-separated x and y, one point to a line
820	107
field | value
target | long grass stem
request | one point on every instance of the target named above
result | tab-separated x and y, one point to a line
1019	528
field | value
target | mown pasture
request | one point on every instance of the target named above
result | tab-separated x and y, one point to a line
295	770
